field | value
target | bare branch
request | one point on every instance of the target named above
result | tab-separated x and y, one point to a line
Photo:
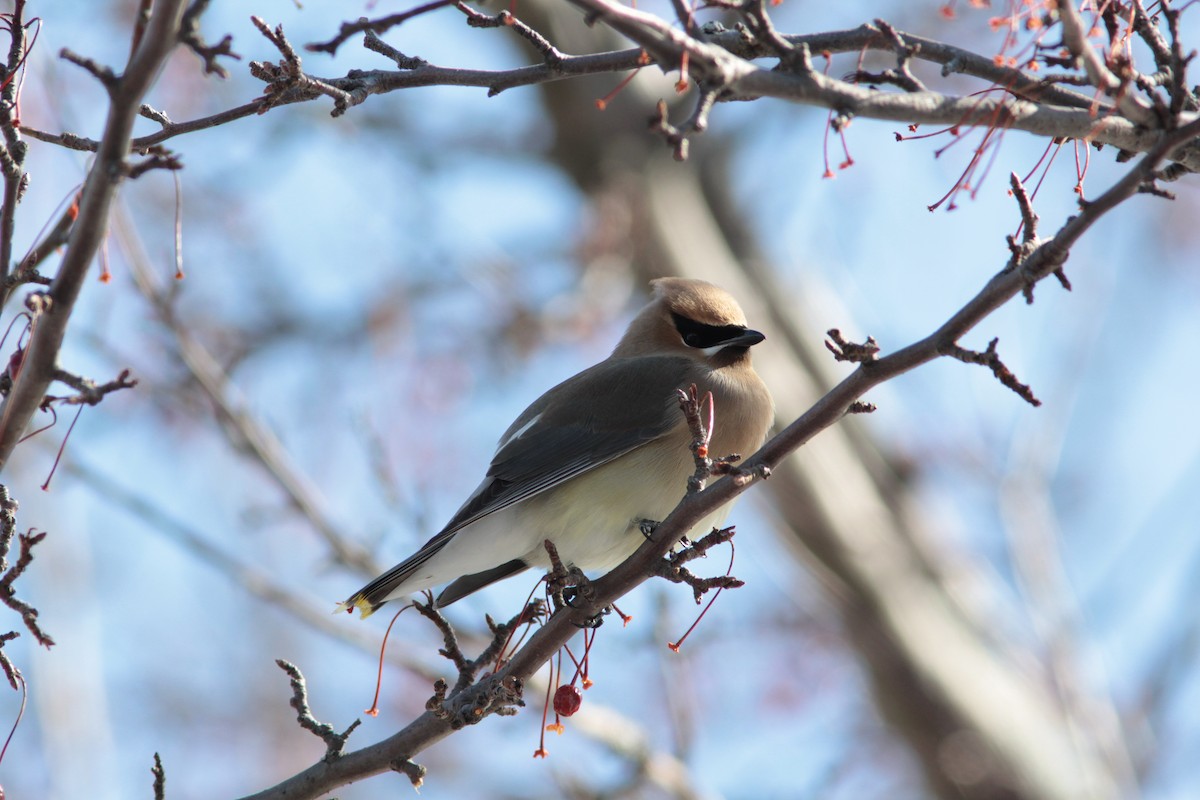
371	41
377	26
334	742
450	648
189	34
792	56
160	778
991	359
159	158
551	54
1076	40
1050	109
502	636
8	525
1152	36
15	679
900	76
1029	219
8	594
671	567
41	356
691	404
12	154
677	137
667	45
843	350
154	114
108	79
88	391
414	772
287	76
467	669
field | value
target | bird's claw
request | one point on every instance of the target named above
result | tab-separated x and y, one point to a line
593	622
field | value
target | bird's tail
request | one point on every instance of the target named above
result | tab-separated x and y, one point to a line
358	600
390	585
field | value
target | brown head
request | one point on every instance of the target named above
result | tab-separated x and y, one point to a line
693	318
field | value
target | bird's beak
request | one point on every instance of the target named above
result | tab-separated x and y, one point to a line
746	338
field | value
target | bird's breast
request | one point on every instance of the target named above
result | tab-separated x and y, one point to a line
594	519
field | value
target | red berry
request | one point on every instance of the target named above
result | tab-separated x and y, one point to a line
567	700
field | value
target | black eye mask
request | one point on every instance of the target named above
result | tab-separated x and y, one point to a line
698	335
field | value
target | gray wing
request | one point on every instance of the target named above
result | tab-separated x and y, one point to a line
585	422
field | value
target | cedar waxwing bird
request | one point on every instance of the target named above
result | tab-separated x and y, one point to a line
600	456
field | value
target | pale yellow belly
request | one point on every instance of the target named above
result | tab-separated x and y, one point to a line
594	520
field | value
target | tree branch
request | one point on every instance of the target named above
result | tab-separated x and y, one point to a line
334	742
41	357
12	154
189	34
724	62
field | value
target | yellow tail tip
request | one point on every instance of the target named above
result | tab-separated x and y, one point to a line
365	609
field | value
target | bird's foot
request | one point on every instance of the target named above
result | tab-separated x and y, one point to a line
568	587
591	622
562	579
649	526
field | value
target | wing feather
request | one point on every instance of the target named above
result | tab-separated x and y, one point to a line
585	422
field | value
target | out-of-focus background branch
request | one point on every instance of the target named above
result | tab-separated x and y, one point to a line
966	597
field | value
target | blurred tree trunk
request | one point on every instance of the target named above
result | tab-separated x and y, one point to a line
979	722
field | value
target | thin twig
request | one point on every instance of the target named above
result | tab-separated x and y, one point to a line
108	79
372	42
991	359
89	392
15	679
671	567
8	594
14	150
288	75
902	75
380	25
855	353
160	778
450	648
1076	40
189	34
505	19
8	525
334	742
